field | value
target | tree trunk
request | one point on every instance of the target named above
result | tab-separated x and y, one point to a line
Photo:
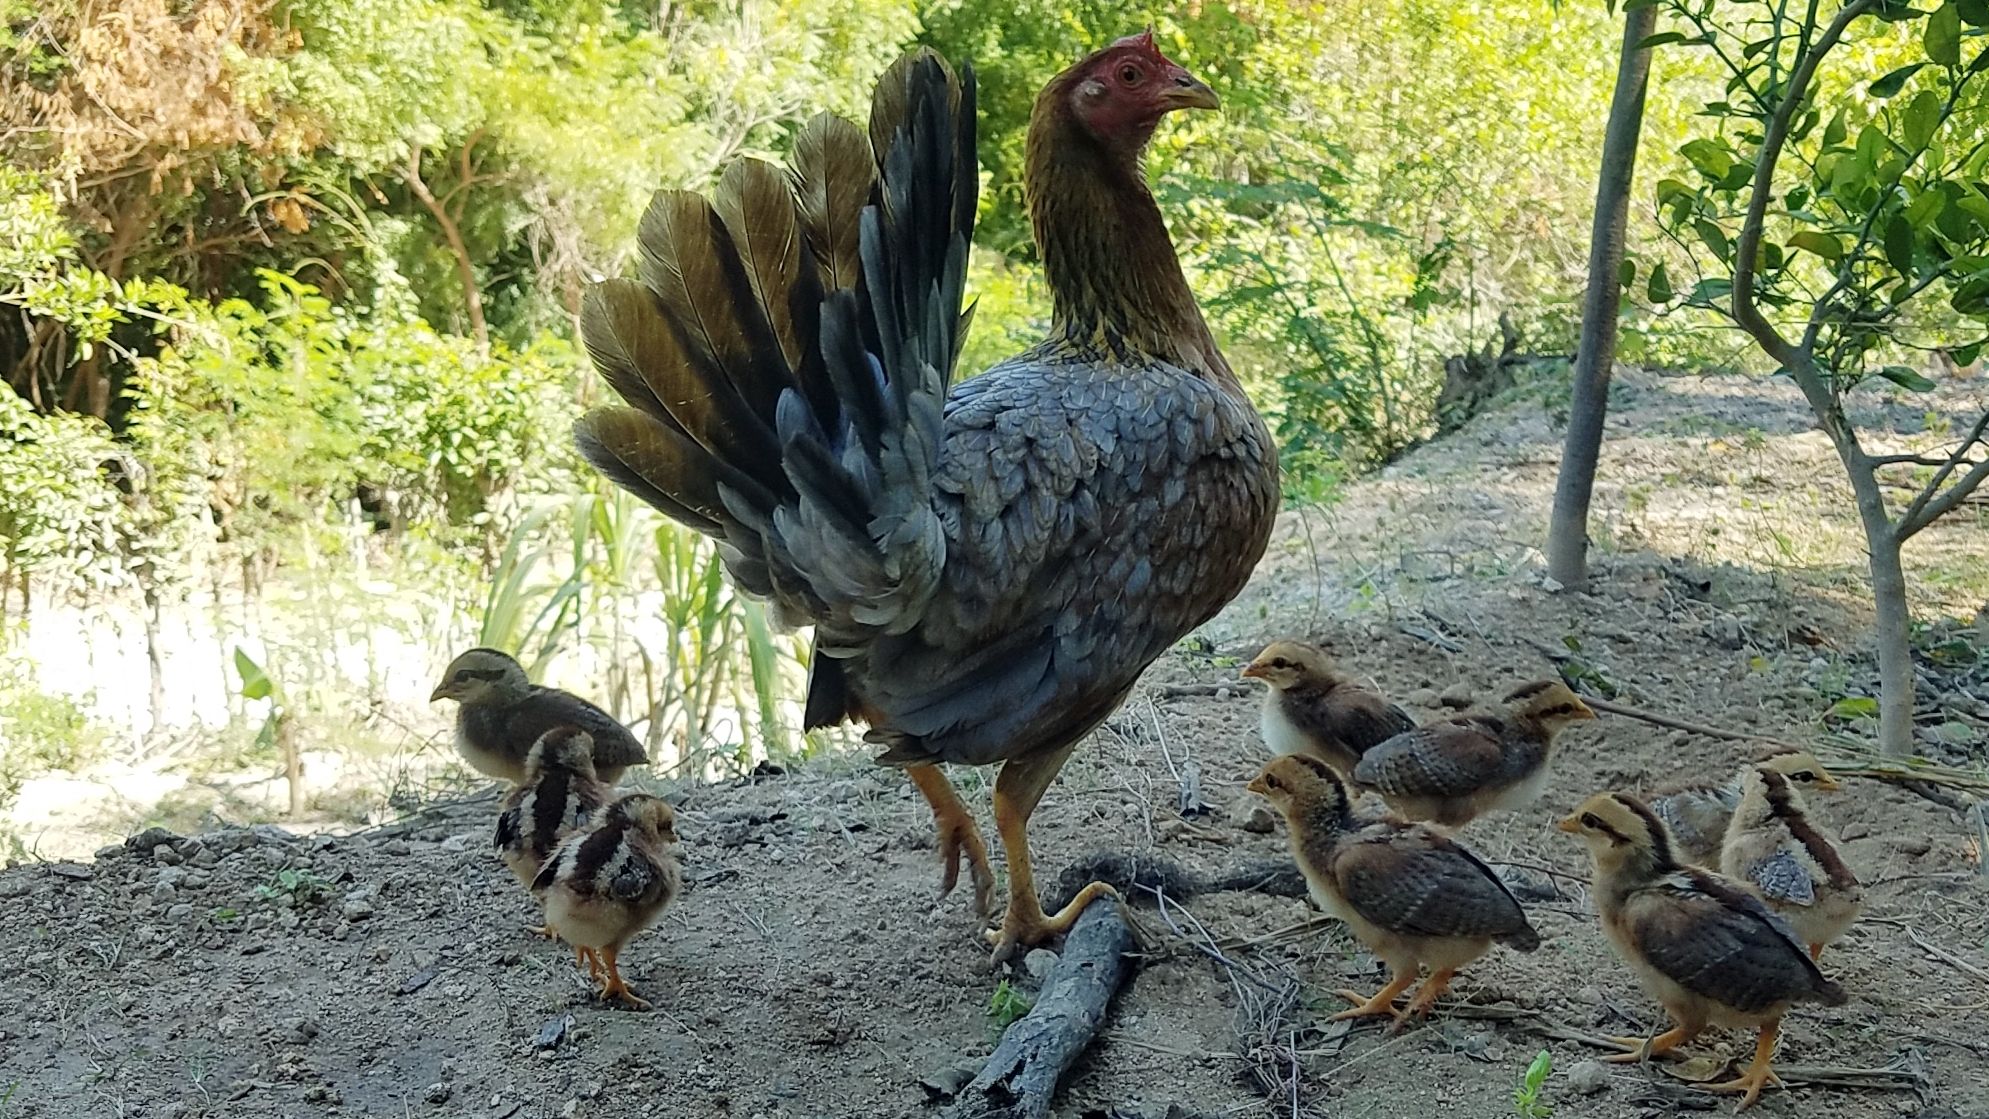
1892	618
452	233
1567	534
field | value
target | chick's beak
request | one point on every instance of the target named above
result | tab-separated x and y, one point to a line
1583	711
1257	786
1828	783
441	692
1253	672
1570	824
1189	92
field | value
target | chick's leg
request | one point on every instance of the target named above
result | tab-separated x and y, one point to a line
1758	1075
614	989
1433	988
1017	790
587	958
957	836
1400	979
1644	1048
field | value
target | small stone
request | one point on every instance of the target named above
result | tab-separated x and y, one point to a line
14	887
1422	697
1255	819
438	1093
1914	846
164	892
456	844
180	912
396	847
1039	963
1552	585
164	855
1457	695
297	1031
356	909
150	839
1587	1078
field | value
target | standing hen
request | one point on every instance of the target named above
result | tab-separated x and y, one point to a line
988	567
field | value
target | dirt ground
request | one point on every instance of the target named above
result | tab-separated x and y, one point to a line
807	972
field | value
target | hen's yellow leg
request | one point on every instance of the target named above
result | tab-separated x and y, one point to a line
1017	791
957	835
1758	1075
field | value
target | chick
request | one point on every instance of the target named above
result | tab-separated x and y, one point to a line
1453	771
1414	896
603	885
1697	814
1314	709
560	794
503	713
1700	943
1792	863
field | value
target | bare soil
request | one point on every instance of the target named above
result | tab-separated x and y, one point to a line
808	972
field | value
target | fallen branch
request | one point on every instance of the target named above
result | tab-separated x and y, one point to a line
1141	874
1686	725
1021	1077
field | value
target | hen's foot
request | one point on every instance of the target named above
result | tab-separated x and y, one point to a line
958	837
1025	926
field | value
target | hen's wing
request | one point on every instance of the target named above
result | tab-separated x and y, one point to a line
1417	882
1718	941
1450	758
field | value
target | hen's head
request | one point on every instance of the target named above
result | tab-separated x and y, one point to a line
1117	95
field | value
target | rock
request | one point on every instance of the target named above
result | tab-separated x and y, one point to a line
75	872
1914	846
1725	631
1254	818
356	909
164	855
297	1031
150	839
1587	1078
1039	963
456	844
164	892
437	1093
1458	695
1421	697
181	912
398	848
14	887
945	1083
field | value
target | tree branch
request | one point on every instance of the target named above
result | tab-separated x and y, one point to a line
452	233
1745	311
1927	508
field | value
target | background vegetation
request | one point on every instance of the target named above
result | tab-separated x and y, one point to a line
288	289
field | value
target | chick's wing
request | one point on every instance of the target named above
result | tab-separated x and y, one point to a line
1451	758
1720	942
1416	882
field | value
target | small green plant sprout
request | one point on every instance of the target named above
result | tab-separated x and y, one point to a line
300	887
1526	1102
1007	1005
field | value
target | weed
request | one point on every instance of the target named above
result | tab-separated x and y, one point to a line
1008	1005
301	887
1526	1102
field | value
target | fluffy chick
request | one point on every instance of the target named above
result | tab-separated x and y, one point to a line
1452	771
1700	943
560	793
603	885
1414	896
1792	863
1697	815
1314	709
503	713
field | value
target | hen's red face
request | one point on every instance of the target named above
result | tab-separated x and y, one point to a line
1122	91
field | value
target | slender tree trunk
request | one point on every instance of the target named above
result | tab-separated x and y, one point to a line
1892	618
466	272
1567	534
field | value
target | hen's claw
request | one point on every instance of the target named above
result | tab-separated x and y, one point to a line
1025	926
957	837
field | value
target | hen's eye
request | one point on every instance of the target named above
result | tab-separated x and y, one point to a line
1590	821
1129	74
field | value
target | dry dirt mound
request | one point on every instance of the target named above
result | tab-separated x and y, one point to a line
808	973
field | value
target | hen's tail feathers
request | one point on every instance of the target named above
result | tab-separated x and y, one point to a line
786	354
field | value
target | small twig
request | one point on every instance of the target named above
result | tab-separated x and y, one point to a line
1192	691
1686	725
1946	956
1430	637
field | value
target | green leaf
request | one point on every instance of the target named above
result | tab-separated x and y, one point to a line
1975	13
255	682
1658	287
1966	355
1711	157
1825	245
1908	379
1899	244
1943	35
1714	237
1836	130
1853	707
1891	84
1626	273
1923	209
1923	116
1660	39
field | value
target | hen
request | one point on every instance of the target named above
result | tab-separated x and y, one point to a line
988	567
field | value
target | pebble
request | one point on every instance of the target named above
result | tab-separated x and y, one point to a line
356	909
1588	1077
438	1093
1422	697
456	843
1255	818
179	912
299	1031
14	887
1039	963
396	848
164	855
1457	695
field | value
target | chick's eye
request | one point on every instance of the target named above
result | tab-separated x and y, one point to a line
1129	74
1805	775
1590	821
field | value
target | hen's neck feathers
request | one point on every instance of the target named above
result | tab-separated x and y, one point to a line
1116	283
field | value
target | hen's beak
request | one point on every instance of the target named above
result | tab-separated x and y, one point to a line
1570	824
1189	92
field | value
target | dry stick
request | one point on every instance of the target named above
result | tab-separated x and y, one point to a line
1945	956
1021	1076
1682	724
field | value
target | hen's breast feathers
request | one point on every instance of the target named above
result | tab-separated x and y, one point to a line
1092	515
